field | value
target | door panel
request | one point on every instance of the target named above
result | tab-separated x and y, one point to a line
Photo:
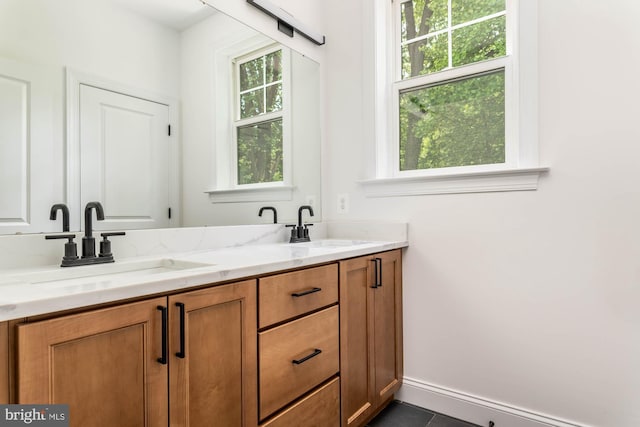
4	363
79	358
103	364
124	158
356	315
388	327
14	148
216	379
31	169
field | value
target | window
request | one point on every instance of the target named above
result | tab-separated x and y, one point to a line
455	93
252	128
451	83
259	115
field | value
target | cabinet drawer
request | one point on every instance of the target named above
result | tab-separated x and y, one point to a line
288	295
296	357
320	409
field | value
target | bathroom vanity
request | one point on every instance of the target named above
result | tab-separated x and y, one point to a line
268	334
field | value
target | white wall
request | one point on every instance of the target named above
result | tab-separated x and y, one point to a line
524	300
92	37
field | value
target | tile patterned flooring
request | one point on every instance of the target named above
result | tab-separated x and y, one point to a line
399	414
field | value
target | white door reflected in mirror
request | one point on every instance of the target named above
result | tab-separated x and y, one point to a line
124	158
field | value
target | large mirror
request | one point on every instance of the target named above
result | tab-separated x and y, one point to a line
88	89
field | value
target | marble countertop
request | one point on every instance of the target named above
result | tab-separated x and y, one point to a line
40	290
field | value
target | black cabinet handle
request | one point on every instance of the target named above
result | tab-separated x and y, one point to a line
377	272
316	352
303	293
163	358
181	353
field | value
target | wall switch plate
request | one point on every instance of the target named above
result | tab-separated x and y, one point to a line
343	203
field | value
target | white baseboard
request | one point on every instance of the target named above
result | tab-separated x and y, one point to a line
472	408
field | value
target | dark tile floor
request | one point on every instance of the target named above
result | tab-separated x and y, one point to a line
400	414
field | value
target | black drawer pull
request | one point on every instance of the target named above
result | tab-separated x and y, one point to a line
163	358
181	353
303	293
316	352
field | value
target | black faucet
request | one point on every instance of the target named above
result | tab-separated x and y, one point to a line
270	208
301	232
65	215
89	257
88	241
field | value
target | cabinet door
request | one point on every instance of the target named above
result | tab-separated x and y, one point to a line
356	350
370	334
387	329
213	357
4	363
103	363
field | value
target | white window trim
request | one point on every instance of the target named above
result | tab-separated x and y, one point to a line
521	169
253	194
225	188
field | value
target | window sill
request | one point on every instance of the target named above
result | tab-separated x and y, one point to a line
520	179
261	194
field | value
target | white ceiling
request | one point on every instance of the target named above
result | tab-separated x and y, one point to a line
177	14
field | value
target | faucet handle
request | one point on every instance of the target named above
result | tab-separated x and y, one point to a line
305	232
105	244
113	233
70	248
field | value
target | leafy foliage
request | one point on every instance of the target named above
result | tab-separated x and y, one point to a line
261	85
259	145
457	124
453	123
260	152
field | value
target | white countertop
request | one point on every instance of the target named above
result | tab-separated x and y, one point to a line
40	290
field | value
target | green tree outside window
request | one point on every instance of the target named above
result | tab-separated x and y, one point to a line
260	143
452	122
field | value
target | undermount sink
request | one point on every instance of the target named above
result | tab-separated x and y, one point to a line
103	272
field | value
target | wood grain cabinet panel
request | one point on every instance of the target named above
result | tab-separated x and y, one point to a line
4	363
296	357
370	334
285	296
320	409
213	378
192	359
103	364
189	359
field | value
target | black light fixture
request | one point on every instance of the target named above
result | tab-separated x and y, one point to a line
287	24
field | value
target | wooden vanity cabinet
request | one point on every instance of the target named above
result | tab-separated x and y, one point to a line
4	363
319	346
370	334
103	363
298	348
321	408
212	376
113	367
